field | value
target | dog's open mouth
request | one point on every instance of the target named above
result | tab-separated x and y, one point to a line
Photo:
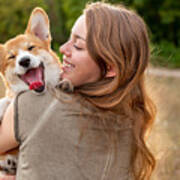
34	78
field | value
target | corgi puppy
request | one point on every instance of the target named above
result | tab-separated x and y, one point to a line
27	62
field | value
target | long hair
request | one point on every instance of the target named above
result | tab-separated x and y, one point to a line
118	37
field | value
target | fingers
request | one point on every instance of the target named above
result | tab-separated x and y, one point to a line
7	177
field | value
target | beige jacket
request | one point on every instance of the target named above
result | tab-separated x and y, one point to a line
48	131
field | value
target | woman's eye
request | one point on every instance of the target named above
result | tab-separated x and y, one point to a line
30	48
78	48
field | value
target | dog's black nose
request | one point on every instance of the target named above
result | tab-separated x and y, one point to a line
25	62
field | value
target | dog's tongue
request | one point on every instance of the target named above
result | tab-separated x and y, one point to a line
34	77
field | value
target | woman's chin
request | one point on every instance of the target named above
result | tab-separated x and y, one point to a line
65	75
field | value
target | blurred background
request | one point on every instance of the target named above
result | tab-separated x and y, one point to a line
163	74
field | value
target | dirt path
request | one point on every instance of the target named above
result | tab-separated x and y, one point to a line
164	88
164	72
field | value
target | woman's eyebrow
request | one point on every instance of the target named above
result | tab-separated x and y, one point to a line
79	37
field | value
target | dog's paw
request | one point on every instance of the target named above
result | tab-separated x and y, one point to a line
66	85
9	165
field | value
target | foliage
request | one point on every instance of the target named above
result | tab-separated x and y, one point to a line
165	54
14	16
162	16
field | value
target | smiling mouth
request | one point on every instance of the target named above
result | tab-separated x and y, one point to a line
34	78
67	66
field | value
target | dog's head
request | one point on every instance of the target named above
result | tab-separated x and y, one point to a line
27	61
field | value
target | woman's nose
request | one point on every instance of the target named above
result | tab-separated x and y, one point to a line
65	49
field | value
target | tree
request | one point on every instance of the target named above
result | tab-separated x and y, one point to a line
14	16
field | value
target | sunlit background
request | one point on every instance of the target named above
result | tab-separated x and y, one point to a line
163	75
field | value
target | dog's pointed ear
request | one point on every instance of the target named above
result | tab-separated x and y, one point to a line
38	25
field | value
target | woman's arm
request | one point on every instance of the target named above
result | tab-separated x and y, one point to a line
7	133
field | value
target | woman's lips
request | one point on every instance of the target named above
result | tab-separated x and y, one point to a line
67	66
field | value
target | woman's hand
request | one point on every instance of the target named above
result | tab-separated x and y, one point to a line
8	177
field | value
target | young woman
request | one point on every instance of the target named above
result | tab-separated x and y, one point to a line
99	131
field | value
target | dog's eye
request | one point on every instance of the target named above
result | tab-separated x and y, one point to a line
11	57
30	48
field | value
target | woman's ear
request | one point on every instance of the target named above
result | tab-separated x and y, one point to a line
110	71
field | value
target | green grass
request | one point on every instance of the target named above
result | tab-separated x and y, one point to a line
165	54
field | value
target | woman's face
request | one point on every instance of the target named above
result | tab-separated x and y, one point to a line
78	66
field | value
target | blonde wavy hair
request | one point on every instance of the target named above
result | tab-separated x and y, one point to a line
118	37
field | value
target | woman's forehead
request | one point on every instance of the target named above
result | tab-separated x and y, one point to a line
79	27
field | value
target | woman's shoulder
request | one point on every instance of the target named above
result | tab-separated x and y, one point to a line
50	93
31	99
